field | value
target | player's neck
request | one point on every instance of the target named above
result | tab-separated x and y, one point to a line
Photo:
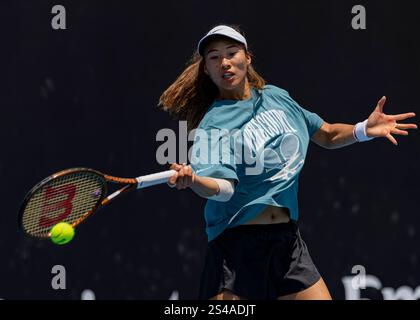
242	92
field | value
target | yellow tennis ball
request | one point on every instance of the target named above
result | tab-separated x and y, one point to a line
62	233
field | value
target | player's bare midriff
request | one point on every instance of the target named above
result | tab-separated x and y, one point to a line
271	215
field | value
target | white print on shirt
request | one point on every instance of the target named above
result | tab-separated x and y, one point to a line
264	127
205	169
271	139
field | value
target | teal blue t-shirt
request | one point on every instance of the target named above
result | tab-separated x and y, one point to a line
261	144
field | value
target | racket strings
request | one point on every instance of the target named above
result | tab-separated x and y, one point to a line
67	198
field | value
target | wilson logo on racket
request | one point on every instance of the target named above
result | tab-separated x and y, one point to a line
51	207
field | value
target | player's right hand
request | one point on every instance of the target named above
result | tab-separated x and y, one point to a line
183	178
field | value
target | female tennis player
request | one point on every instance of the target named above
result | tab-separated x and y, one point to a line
255	250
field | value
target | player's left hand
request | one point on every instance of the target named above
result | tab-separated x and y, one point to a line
383	125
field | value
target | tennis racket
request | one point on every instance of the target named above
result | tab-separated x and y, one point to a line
73	195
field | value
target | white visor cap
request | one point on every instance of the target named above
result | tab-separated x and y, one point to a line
221	31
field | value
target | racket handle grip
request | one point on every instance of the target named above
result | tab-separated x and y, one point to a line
153	179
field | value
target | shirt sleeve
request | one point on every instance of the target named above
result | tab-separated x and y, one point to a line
212	154
313	120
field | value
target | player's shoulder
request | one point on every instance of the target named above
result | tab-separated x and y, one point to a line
221	116
210	120
280	97
275	92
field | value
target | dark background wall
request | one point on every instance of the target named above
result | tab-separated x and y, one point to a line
87	96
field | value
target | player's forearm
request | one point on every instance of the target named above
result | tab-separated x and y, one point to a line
204	186
341	135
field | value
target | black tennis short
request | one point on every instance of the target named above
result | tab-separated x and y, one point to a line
260	262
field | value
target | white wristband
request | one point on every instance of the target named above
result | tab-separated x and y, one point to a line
359	132
226	190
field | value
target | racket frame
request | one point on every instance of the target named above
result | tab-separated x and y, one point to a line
130	184
105	199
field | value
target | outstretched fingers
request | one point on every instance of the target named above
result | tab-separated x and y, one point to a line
406	126
400	132
402	116
380	105
392	139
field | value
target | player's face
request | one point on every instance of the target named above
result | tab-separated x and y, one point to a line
226	63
